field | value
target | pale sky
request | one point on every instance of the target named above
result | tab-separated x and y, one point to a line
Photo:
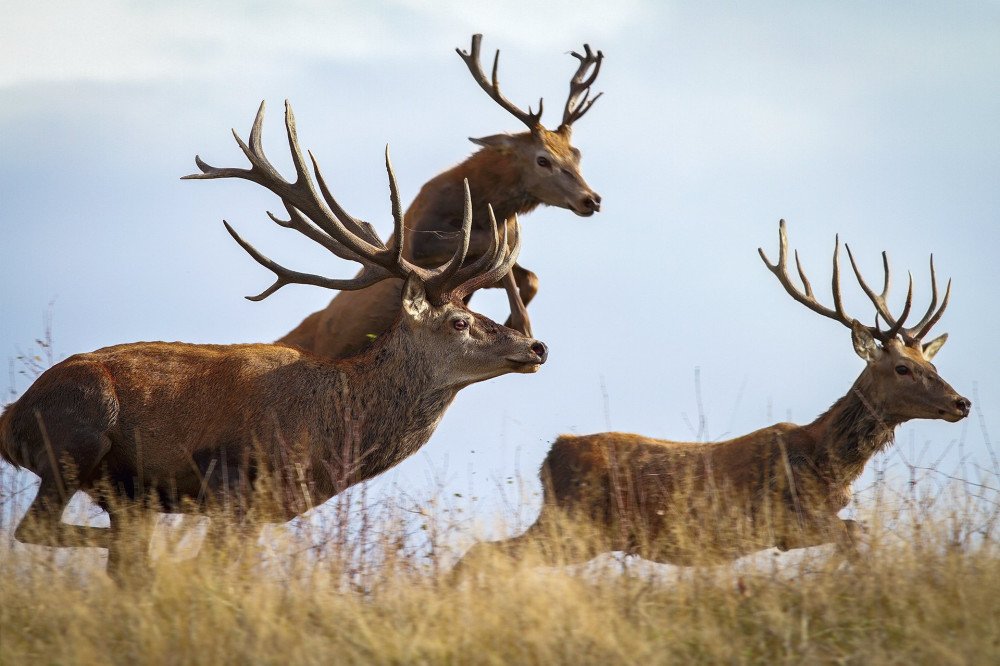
878	122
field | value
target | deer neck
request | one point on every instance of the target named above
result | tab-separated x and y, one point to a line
436	214
495	180
848	434
383	405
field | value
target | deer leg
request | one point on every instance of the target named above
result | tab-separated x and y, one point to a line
527	282
521	285
128	549
510	549
850	538
42	524
551	540
223	534
846	534
518	319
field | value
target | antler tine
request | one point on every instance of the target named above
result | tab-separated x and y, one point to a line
878	300
471	59
502	259
299	222
488	257
898	326
925	329
398	222
369	274
302	194
435	280
806	298
577	104
357	226
437	283
802	276
838	300
885	272
908	333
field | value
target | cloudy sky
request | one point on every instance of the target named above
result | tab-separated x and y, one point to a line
877	121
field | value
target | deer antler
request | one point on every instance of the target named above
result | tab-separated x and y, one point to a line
316	214
914	334
910	335
471	59
577	103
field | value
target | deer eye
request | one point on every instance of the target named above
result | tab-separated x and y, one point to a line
543	161
902	370
460	324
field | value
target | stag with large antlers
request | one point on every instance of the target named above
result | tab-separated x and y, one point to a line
702	503
183	425
513	173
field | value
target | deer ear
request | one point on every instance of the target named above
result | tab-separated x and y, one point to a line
414	297
498	141
864	343
934	346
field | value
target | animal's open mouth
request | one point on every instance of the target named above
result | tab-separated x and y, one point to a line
953	415
525	365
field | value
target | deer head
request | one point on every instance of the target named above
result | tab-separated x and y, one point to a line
459	346
548	164
899	380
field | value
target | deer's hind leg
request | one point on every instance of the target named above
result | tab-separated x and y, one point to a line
64	466
62	427
128	545
42	524
846	535
554	539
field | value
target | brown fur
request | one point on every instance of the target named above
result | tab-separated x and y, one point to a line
196	425
686	503
504	174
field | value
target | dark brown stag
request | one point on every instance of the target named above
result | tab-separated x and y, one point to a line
513	173
703	503
189	426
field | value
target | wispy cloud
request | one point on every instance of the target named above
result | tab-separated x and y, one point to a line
118	40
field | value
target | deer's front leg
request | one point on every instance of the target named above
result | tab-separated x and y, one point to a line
846	534
521	286
518	319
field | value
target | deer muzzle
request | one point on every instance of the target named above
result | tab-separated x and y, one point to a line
590	204
532	358
955	408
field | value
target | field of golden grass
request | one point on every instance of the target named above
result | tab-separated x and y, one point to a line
352	590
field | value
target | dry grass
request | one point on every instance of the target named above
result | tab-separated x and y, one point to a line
353	591
369	584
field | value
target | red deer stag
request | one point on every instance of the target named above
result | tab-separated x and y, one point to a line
704	503
189	425
512	172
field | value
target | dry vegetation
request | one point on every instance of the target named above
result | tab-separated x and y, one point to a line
369	584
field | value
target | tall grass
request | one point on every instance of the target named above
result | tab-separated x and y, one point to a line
368	581
370	584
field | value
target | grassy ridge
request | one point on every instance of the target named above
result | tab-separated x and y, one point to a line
926	591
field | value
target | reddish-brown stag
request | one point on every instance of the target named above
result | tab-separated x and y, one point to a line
782	486
513	173
181	427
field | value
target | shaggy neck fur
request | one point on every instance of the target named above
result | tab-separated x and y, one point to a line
853	430
383	405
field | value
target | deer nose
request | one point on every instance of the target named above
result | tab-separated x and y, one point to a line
963	405
539	349
592	202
